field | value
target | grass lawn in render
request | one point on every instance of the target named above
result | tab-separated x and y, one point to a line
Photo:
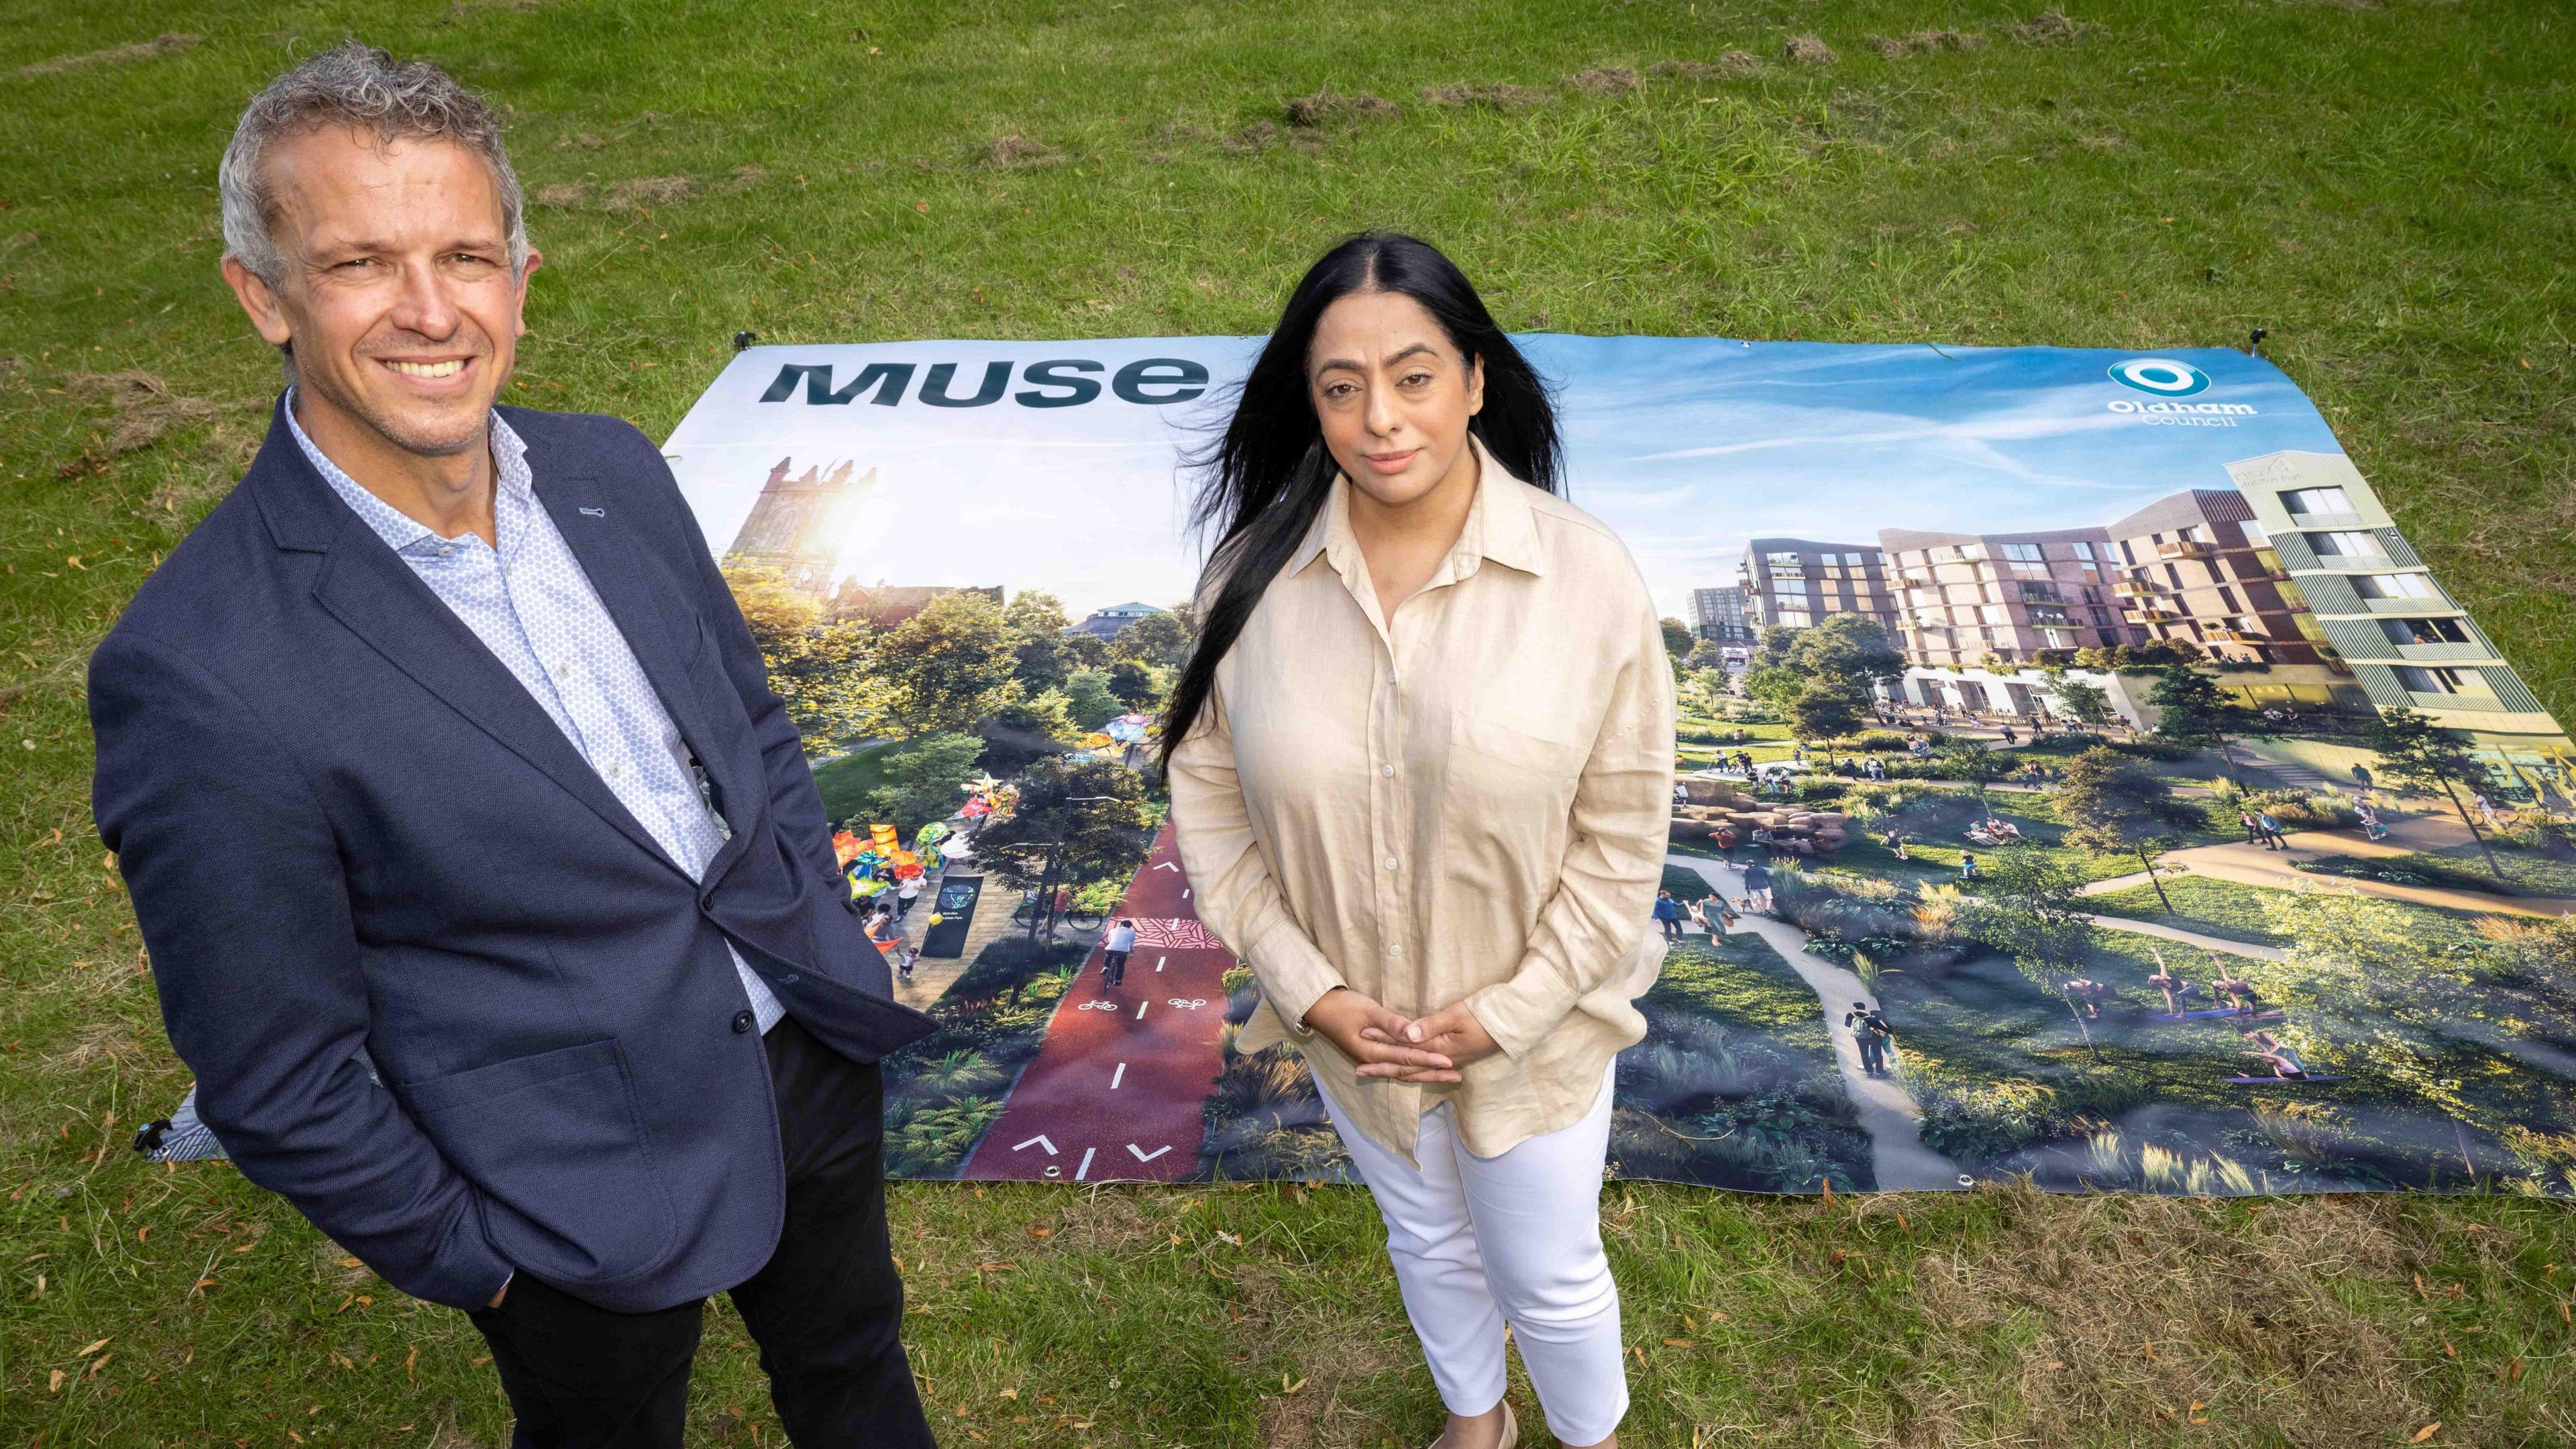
847	782
2383	187
2219	908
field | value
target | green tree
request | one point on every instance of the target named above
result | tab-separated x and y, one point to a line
1022	731
819	669
1132	682
1827	710
921	780
1677	637
1852	649
2119	806
2028	908
1089	698
1972	760
1157	639
1035	623
1706	654
1076	822
2416	753
2444	1008
2086	703
2193	711
947	666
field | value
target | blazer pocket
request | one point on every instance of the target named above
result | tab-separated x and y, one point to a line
555	1142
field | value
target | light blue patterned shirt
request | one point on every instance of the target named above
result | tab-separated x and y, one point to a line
534	608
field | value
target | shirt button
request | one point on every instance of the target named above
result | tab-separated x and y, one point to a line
742	1022
1386	769
1396	949
1390	862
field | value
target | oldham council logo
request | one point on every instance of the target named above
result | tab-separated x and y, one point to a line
2160	375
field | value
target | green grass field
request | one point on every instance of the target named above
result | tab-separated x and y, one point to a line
2383	184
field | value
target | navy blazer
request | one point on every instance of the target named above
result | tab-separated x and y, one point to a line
345	823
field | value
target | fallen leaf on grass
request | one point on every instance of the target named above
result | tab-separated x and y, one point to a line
54	1382
2427	1432
93	1348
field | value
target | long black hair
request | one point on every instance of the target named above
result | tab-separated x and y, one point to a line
1268	475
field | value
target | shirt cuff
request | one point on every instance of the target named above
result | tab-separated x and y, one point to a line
1293	974
1519	1013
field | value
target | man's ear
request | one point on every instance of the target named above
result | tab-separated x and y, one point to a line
261	301
519	304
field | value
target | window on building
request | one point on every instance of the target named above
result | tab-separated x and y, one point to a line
2110	638
2419	679
2083	548
2040	593
2424	631
1795	618
2317	500
2092	596
2346	545
1789	586
2255	537
1785	563
2227	601
1972	550
2128	553
2023	551
1853	559
2101	616
2394	586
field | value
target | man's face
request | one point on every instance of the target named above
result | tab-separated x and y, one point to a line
398	296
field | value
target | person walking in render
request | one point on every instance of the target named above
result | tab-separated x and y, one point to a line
1668	914
1454	937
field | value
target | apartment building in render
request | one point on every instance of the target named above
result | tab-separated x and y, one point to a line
2408	643
1798	582
2197	566
1719	615
1968	596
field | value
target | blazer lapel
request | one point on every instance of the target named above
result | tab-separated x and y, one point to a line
371	590
597	536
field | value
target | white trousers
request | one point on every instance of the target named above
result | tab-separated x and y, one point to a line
1479	1242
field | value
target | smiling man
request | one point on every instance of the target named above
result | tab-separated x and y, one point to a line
484	881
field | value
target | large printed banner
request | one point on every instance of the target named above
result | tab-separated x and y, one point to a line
2079	775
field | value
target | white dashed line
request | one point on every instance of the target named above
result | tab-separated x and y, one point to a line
1038	1141
1079	1172
1144	1156
1117	1076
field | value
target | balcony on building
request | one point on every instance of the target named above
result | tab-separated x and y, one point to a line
2186	548
2150	616
2131	589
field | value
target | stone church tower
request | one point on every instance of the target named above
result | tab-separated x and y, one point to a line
799	523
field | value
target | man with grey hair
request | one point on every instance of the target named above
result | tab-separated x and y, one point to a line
485	885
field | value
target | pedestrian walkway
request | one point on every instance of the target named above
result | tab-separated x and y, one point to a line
1888	1113
1119	1086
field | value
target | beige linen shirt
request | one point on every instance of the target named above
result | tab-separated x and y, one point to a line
1468	801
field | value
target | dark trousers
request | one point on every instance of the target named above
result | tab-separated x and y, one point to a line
824	1309
1672	929
1113	967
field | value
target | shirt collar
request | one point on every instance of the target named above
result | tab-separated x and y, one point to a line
1502	524
398	529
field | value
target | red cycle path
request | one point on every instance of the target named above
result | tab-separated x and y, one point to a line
1116	1090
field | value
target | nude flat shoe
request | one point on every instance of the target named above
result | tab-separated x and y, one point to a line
1511	1432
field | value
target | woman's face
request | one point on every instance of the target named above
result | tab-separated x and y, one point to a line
1392	393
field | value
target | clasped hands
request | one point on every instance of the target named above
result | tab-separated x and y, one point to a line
1409	1049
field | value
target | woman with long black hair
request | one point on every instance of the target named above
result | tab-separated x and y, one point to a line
1421	767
